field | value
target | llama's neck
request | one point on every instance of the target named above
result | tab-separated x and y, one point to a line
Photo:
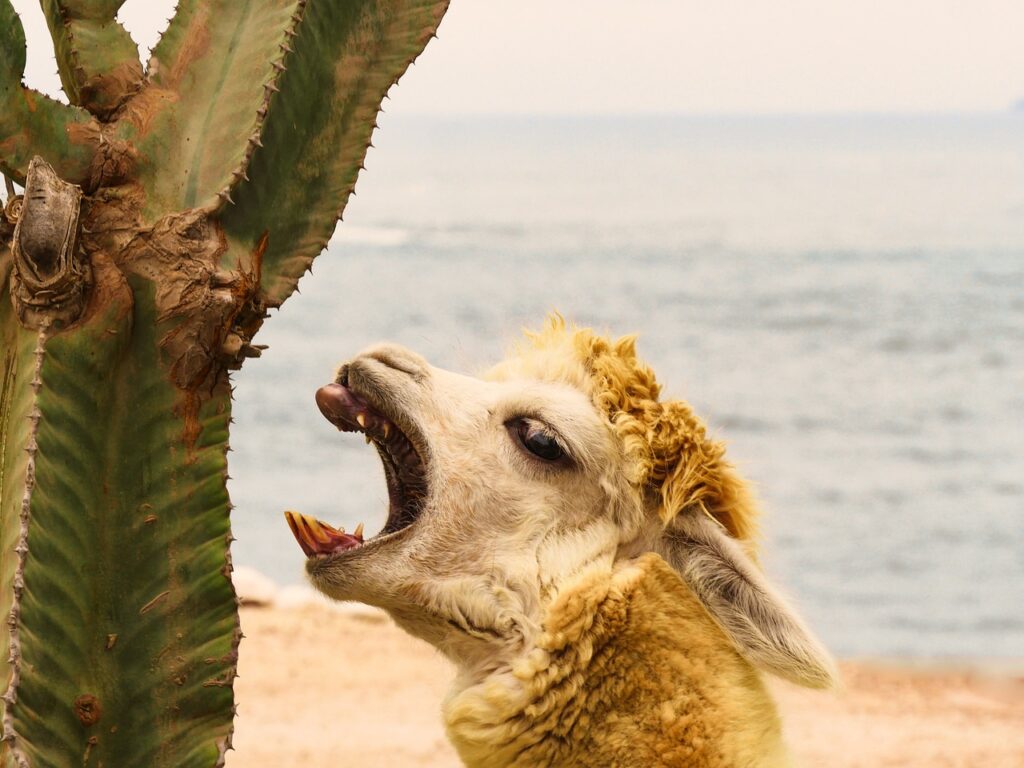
629	671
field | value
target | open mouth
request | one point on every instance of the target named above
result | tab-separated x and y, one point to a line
404	471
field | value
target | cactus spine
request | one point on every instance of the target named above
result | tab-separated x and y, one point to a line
165	211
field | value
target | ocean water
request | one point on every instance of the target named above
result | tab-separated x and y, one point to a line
842	298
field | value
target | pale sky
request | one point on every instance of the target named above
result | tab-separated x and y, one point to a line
698	56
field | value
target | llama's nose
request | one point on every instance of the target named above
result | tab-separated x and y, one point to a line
399	358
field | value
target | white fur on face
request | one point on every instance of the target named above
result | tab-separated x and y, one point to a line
501	528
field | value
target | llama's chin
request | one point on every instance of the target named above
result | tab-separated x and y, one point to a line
351	574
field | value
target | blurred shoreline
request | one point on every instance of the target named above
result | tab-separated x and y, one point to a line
256	590
322	683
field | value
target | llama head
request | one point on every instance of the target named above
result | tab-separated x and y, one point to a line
503	488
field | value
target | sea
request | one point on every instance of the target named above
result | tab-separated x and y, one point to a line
840	297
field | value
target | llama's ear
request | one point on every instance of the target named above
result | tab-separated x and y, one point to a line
764	629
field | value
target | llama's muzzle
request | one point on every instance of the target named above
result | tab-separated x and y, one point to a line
348	407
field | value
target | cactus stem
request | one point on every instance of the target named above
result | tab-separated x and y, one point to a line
10	696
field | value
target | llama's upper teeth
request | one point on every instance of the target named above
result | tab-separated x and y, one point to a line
387	430
361	418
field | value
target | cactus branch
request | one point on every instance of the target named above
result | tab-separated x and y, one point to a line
97	59
32	124
204	98
310	150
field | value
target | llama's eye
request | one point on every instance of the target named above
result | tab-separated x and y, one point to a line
537	440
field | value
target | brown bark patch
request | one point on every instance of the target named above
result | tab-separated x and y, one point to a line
196	44
105	92
145	106
179	255
188	410
84	134
88	709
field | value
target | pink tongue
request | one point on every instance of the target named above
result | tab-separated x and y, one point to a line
337	541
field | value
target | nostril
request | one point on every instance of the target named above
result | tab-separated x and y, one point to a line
399	359
343	376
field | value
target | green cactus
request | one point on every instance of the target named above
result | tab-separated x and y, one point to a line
164	212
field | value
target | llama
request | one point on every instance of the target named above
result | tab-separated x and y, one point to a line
582	550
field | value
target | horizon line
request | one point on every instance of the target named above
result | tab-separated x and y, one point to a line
599	114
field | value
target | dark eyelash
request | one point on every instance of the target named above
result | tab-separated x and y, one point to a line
542	443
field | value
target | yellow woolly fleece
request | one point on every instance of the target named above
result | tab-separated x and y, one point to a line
629	672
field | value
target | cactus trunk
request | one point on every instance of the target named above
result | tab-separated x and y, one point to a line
137	269
114	547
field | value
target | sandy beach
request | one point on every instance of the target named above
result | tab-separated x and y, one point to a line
324	687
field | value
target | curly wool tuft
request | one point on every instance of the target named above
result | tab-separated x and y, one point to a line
667	447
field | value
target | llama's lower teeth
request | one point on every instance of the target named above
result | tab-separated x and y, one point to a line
319	539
